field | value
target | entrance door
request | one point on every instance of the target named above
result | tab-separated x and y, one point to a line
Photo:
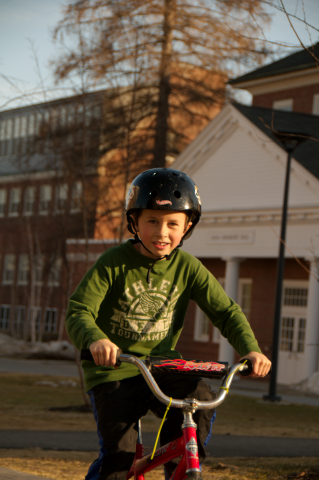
292	333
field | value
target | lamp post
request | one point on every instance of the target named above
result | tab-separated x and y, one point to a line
290	140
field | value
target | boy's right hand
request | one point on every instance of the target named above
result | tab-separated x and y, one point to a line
104	352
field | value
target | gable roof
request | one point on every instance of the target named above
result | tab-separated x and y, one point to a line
300	60
266	119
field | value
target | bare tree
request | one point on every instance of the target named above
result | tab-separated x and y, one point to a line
181	52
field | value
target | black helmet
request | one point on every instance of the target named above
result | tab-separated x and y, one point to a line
164	189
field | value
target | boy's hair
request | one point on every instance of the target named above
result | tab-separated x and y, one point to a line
164	189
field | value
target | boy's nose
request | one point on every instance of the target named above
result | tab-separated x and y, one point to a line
162	230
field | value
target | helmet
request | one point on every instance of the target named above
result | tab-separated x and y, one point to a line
164	189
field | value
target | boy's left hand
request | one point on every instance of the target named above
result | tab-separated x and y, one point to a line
261	364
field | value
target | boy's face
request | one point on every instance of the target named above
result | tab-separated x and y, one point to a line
161	231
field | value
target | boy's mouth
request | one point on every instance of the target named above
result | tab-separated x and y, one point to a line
160	244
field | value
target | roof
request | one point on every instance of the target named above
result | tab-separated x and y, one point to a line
267	120
300	60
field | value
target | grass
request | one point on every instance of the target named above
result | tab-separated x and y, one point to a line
74	465
26	400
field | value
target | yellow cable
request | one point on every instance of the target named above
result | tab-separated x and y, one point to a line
160	428
226	387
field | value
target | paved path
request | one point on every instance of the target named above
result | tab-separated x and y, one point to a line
8	474
219	445
41	367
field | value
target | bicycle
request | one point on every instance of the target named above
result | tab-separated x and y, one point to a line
185	446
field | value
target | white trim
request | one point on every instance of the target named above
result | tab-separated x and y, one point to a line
284	81
315	104
285	105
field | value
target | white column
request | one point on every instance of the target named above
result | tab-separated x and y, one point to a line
226	351
312	323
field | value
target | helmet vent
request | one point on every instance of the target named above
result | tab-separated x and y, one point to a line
177	194
174	174
153	193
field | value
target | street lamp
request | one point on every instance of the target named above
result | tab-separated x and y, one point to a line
290	140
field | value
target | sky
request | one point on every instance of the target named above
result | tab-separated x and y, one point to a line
26	22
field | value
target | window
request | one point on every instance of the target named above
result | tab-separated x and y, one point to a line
8	137
32	130
76	197
19	320
61	196
8	269
295	296
5	317
301	335
35	314
45	199
3	200
38	269
202	322
55	271
244	293
315	106
244	297
23	270
285	105
51	320
14	202
29	200
287	334
3	125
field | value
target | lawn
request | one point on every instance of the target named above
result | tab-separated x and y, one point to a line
27	400
74	465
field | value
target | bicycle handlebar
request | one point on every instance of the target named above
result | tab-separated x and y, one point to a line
157	392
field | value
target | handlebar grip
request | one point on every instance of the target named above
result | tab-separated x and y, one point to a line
87	355
249	368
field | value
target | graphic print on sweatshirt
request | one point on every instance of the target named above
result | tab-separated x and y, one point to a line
146	313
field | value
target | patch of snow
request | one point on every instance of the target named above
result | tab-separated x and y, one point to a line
310	385
12	347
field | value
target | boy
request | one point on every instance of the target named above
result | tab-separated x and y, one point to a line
135	298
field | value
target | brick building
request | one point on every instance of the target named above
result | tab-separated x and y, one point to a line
41	193
62	188
239	168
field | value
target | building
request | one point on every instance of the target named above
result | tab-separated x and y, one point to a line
41	205
239	168
63	182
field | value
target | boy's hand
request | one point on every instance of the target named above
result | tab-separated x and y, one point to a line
104	352
260	363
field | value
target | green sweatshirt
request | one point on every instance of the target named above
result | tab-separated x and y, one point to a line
115	301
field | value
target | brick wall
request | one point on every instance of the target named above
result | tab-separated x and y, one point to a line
302	98
263	275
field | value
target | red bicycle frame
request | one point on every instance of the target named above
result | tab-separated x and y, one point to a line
185	447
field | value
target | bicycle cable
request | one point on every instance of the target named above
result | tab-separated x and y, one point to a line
226	387
160	428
